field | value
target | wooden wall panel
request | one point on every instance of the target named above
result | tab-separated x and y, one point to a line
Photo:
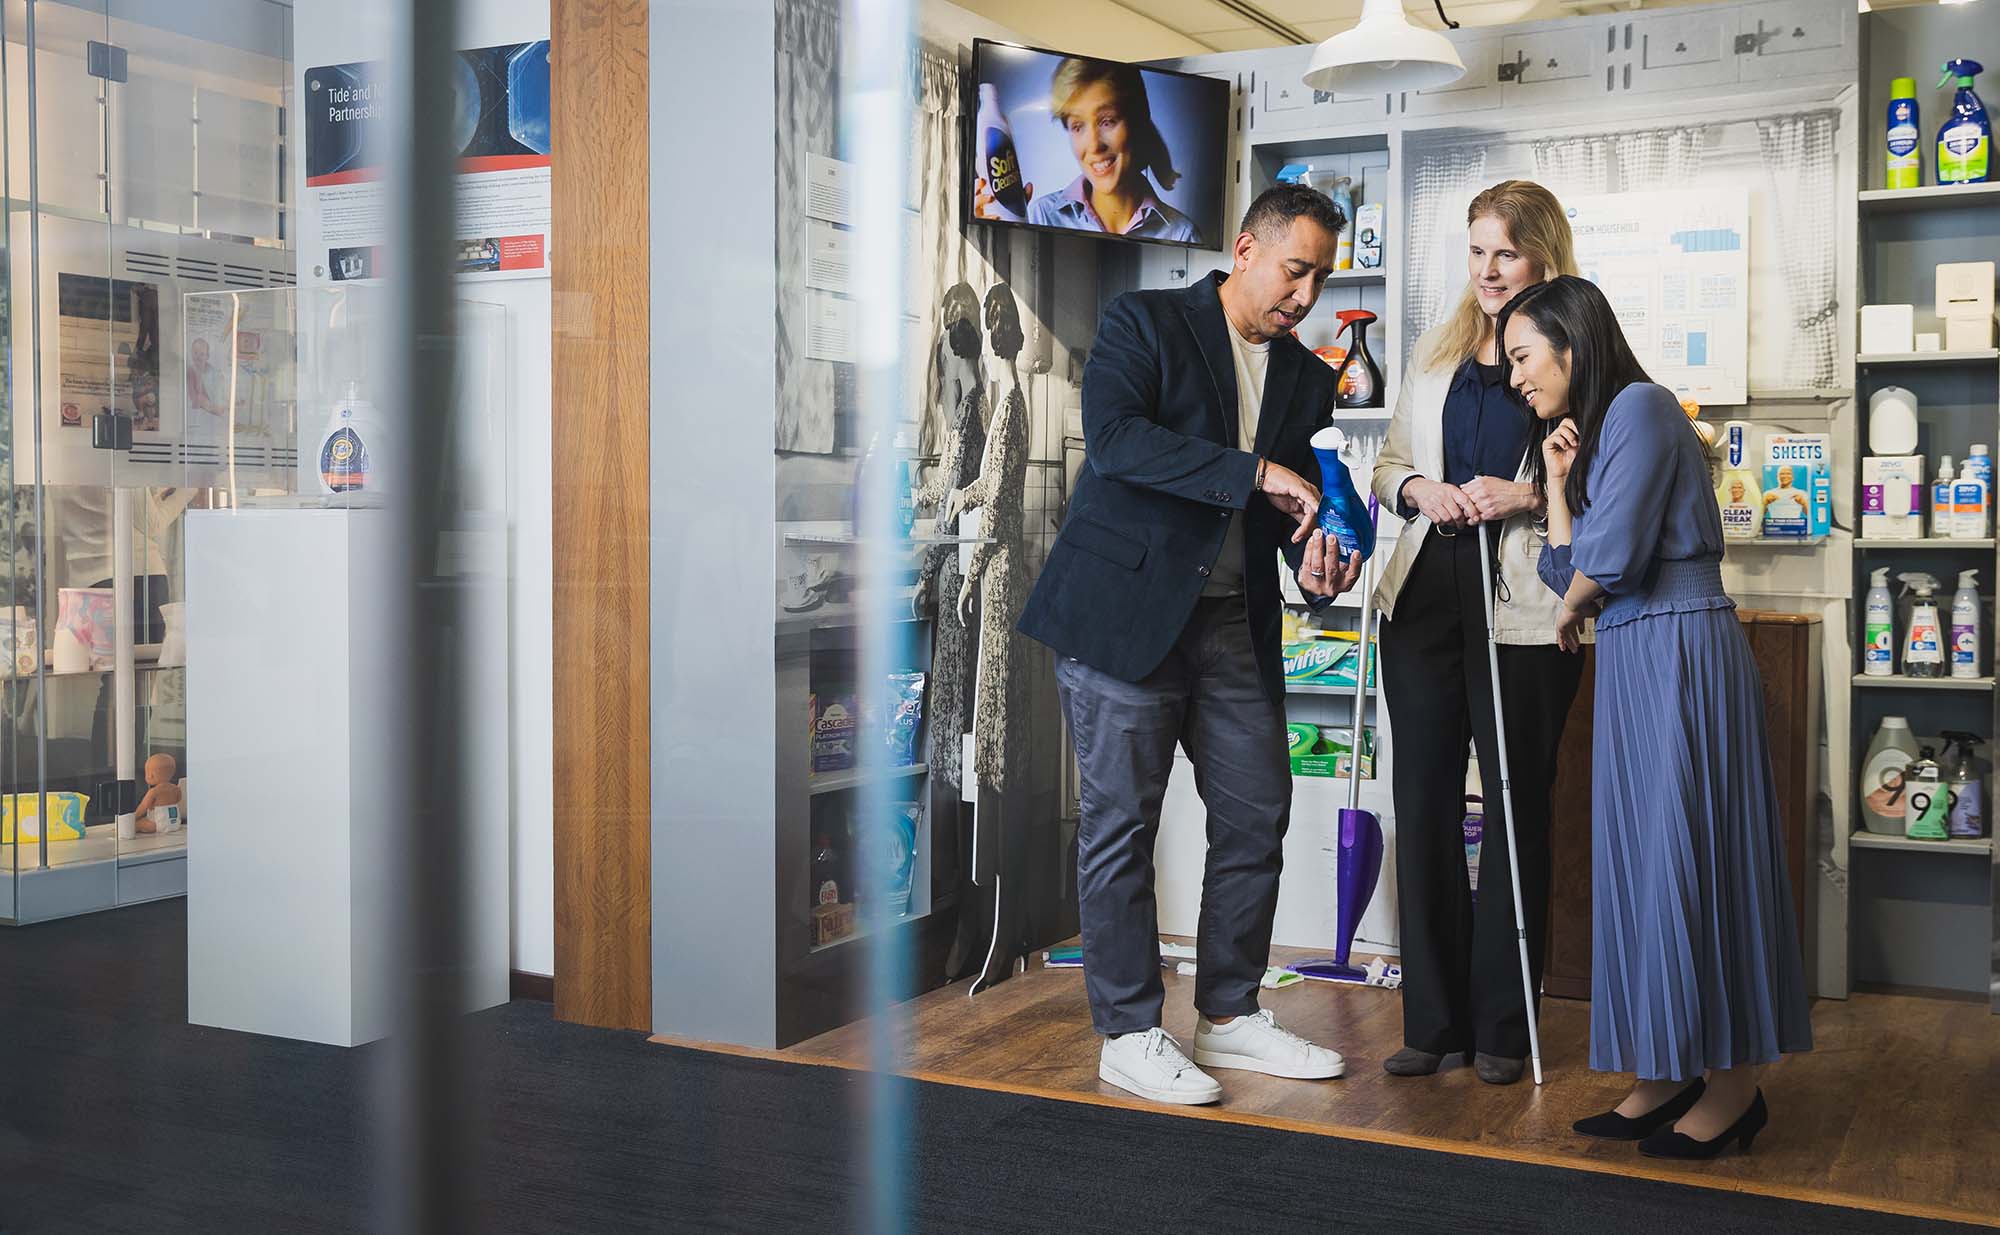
601	268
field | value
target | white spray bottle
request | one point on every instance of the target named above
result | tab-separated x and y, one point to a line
1943	524
1879	628
1923	643
1965	626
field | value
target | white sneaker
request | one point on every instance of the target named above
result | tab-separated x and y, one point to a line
1257	1044
1151	1065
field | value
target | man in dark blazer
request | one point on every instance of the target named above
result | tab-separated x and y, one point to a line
1161	599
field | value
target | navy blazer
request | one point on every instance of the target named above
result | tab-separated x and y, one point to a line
1160	478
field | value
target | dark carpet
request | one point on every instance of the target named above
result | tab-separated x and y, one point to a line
116	1115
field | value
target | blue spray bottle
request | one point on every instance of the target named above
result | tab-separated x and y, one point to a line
1965	139
1343	516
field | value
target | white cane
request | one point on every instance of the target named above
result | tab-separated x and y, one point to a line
1507	805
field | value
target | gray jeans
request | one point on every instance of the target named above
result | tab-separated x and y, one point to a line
1207	698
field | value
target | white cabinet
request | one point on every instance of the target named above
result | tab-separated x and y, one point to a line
1283	102
1794	38
1480	88
1679	50
1550	66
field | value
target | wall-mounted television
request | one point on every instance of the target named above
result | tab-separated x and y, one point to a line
1077	144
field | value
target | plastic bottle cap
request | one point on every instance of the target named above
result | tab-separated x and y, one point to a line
1903	88
1968	578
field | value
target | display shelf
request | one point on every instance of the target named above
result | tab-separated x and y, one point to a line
1930	197
1779	542
848	540
1899	682
1980	846
1357	278
1308	688
1921	542
1886	359
862	931
141	850
835	782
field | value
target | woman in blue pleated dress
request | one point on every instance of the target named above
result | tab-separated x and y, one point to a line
1696	979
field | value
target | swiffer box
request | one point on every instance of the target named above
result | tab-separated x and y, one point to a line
1892	497
1798	485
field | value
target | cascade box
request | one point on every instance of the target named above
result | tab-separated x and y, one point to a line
1798	485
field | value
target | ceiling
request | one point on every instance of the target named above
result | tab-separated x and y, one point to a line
1162	29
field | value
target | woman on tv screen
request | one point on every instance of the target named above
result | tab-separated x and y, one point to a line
1103	107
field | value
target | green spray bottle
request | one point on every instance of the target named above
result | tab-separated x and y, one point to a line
1965	139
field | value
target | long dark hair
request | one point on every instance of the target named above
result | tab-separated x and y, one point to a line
1576	319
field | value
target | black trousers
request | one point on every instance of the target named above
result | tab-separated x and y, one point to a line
1461	967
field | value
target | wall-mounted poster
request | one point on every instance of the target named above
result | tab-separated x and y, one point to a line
500	129
109	353
1676	268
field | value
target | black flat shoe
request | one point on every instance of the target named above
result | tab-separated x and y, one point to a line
1498	1069
1411	1062
1667	1143
1611	1126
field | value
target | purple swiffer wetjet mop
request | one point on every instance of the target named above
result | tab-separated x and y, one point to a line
1358	862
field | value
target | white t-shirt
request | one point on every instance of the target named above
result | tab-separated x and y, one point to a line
1252	362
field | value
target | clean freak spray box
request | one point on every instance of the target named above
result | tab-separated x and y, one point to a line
1798	485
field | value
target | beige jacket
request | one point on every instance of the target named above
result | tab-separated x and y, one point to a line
1527	609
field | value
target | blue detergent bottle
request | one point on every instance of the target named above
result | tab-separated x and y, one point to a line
1965	139
1343	516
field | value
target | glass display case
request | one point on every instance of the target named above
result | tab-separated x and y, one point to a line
114	211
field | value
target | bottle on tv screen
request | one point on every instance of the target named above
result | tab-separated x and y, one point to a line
1072	143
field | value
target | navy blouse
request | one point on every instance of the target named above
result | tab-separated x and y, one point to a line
1485	428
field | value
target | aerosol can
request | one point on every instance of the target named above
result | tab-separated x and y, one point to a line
1878	654
1923	641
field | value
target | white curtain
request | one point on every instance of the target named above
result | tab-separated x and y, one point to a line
1443	182
808	99
1799	158
1619	162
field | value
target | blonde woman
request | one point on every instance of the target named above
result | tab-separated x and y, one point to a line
1458	464
1103	109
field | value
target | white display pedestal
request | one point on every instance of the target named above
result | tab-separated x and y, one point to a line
291	866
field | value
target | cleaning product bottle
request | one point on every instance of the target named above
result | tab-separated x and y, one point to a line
1965	626
1923	644
1360	382
1965	139
350	458
1878	655
1890	751
1347	520
1967	780
1343	197
1972	519
1941	520
1906	160
998	162
1930	799
1968	505
1739	493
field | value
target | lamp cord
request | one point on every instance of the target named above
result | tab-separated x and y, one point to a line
1449	24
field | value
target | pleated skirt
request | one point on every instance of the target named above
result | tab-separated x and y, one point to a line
1695	958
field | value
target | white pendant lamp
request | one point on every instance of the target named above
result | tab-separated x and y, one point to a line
1384	54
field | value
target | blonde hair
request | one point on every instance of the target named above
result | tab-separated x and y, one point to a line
1149	145
1538	230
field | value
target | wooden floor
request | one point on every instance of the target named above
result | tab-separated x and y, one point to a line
1898	1108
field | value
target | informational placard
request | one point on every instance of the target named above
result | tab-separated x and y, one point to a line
108	354
500	128
1676	269
829	257
829	189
